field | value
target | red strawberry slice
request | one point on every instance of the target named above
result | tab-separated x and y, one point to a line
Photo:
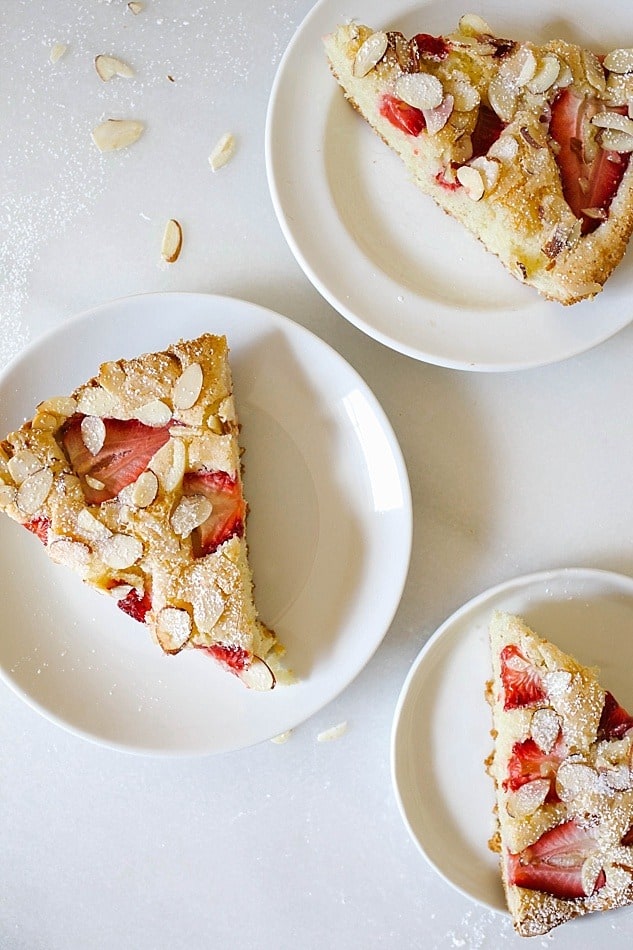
39	527
125	454
135	606
522	683
627	838
405	117
431	47
488	128
528	763
615	721
228	512
234	659
553	864
586	183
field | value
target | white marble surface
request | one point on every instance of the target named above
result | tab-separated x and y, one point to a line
277	846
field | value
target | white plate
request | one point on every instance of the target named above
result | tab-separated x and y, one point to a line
379	250
441	729
329	534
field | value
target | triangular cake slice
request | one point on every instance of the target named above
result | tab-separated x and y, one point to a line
134	481
562	768
527	145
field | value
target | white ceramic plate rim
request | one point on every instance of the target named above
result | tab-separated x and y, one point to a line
182	315
524	330
530	589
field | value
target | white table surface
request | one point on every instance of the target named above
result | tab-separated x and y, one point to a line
301	844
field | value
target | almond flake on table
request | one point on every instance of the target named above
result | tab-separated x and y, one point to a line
222	152
282	737
135	7
109	66
335	732
57	52
172	241
114	134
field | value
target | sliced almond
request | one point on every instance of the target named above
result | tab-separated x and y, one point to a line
169	464
188	386
121	591
120	551
59	405
489	168
613	120
8	495
142	492
334	732
594	70
615	141
370	53
618	778
544	728
173	629
465	96
527	66
154	413
565	76
222	152
57	52
258	675
91	527
590	871
96	401
505	148
437	118
191	511
420	90
172	241
472	180
34	491
282	737
546	75
502	96
109	66
93	433
574	779
23	464
95	483
557	683
114	134
619	61
135	7
528	798
470	24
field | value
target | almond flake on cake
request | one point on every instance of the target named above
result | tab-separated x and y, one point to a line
527	145
134	481
562	768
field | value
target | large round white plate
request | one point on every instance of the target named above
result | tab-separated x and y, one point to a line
329	535
441	728
380	251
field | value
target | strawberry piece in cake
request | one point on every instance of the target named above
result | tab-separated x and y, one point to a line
562	768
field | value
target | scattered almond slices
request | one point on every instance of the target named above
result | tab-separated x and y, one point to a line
135	7
282	737
114	134
109	66
172	241
258	675
370	53
420	90
58	50
222	152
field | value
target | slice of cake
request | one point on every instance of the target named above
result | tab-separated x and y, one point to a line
134	481
527	145
562	768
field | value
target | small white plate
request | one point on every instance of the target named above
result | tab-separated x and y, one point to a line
379	250
441	728
329	534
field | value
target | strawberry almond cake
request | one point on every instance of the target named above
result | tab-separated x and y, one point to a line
134	481
527	145
562	766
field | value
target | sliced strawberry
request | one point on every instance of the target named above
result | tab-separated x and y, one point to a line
233	658
528	763
126	451
448	183
228	509
431	47
488	128
627	838
615	721
135	606
586	183
39	527
405	117
522	683
553	864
